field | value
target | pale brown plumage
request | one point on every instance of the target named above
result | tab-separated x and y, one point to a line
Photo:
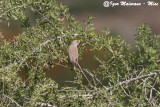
73	53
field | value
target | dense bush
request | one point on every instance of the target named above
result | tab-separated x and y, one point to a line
124	77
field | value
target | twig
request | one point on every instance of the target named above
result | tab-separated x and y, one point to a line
150	98
42	15
126	92
84	74
95	78
11	100
60	65
154	89
11	10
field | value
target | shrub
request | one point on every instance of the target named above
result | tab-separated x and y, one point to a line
124	77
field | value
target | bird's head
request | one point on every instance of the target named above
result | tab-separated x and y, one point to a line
76	42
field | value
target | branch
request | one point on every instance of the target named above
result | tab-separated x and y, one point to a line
133	79
90	96
34	50
125	82
42	15
11	100
11	10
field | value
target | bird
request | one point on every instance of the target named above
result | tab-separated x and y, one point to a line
73	53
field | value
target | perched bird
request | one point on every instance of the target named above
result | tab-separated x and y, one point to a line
73	53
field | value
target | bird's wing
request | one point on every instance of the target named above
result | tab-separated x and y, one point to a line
73	54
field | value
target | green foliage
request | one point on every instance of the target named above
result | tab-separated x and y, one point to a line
124	78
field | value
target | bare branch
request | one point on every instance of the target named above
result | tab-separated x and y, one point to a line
132	79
